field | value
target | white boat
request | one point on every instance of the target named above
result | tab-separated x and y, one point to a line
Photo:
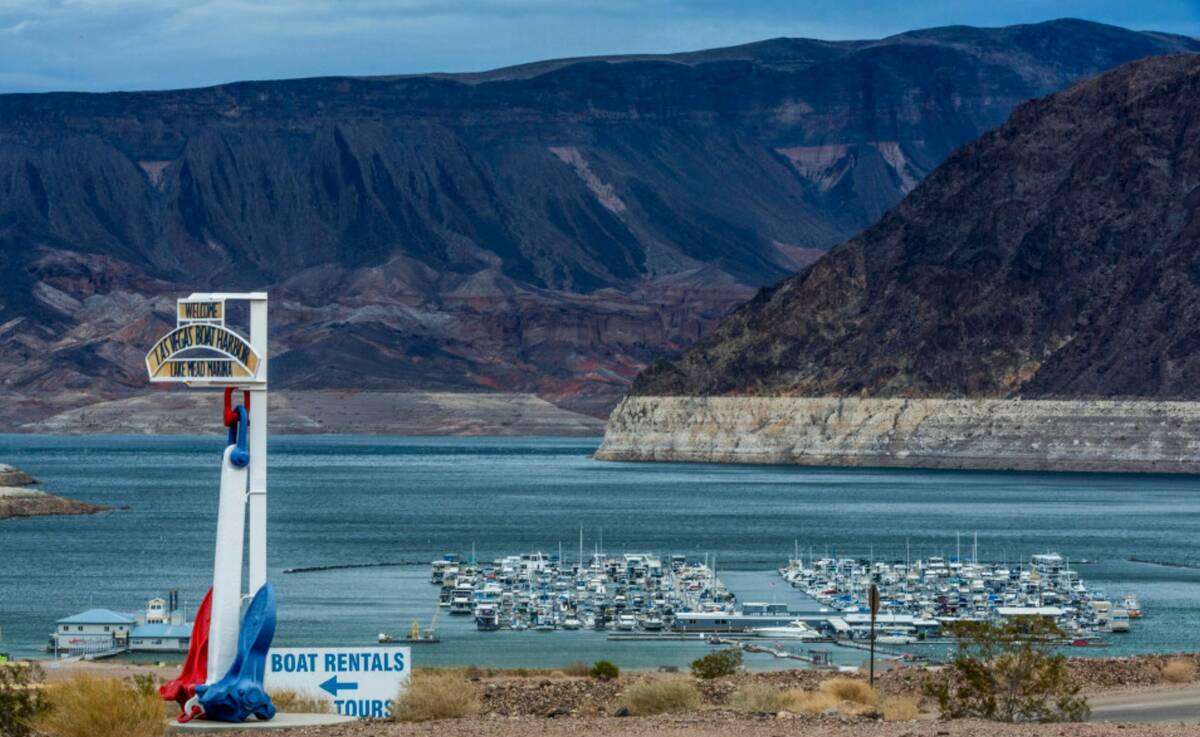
626	622
571	623
461	601
653	623
487	617
895	638
796	630
1133	607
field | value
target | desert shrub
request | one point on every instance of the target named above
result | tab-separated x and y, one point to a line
144	683
87	706
290	702
716	664
21	700
850	689
900	709
473	673
604	670
436	695
1179	670
809	702
578	669
650	696
758	698
1008	672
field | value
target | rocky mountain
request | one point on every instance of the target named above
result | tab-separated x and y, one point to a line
1058	256
551	228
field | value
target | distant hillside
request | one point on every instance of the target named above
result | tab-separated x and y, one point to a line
551	228
1056	257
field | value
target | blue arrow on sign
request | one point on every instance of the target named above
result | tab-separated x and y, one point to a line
333	685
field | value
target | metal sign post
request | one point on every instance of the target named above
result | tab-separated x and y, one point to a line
874	602
203	351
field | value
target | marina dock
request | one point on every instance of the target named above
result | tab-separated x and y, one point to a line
644	597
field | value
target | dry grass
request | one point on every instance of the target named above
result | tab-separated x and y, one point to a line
87	706
474	673
846	695
850	689
809	702
660	696
437	695
900	709
578	669
290	702
759	698
1179	670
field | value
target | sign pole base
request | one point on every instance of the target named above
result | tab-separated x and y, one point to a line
281	721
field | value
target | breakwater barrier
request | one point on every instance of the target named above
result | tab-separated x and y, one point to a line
345	566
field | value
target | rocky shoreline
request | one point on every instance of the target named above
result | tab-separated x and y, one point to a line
551	703
999	434
19	499
329	411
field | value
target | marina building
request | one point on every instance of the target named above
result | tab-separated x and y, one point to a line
93	631
159	628
161	637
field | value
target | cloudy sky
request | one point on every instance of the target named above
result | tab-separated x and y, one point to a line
102	45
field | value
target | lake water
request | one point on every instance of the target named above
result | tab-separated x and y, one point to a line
354	499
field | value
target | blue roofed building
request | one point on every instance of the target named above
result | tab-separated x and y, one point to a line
95	630
160	628
161	636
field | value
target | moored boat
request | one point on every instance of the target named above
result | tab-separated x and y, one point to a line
487	617
795	630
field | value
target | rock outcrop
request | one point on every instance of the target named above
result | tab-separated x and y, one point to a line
10	476
18	498
550	229
1056	258
1059	435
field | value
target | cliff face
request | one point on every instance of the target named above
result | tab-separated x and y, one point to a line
551	228
1037	435
1056	257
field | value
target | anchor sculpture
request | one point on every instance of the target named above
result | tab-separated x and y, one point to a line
222	677
195	667
240	693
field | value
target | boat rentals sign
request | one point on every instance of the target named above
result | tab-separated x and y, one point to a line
361	682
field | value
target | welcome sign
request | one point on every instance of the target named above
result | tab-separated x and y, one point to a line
201	348
201	310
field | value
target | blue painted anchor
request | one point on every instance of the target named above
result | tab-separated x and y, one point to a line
240	693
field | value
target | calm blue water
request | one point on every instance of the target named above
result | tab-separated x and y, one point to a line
343	500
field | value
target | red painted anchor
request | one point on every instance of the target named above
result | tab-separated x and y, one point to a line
195	667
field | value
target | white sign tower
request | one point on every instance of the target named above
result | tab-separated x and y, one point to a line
202	351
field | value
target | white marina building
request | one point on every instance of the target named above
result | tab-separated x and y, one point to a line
160	628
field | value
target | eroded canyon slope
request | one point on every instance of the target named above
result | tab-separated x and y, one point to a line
1056	257
551	228
1033	304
